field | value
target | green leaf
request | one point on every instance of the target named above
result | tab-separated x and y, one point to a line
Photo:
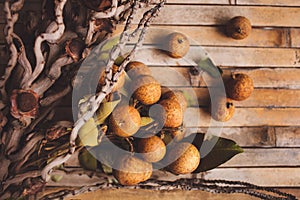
146	121
109	44
220	151
56	178
88	134
106	108
87	160
208	66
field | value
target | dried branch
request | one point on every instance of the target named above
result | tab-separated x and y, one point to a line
47	101
11	19
107	13
54	33
55	71
109	81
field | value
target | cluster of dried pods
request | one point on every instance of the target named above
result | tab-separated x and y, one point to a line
42	64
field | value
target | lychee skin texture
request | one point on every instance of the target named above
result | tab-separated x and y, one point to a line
172	115
131	170
239	87
178	45
125	121
153	149
238	28
188	158
135	69
178	96
222	109
147	90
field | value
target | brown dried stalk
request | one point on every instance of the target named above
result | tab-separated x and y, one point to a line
109	80
53	33
11	14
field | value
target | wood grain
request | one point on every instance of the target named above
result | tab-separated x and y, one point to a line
262	77
250	117
216	15
269	2
288	136
260	176
195	117
226	56
266	158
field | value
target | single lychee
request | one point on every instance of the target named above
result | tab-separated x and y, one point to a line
239	87
152	149
238	27
131	170
222	109
135	69
177	45
171	114
178	96
187	158
147	90
125	121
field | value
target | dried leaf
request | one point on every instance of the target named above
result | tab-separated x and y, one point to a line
221	150
56	178
105	110
88	134
87	160
146	121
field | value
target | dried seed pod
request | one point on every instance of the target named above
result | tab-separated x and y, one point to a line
153	149
135	69
178	96
239	87
238	27
222	109
178	45
24	103
188	158
172	114
118	85
125	121
131	170
147	90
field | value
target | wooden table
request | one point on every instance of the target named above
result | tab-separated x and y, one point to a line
267	125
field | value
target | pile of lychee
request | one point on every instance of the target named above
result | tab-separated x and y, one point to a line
148	147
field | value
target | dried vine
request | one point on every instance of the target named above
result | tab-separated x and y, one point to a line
21	136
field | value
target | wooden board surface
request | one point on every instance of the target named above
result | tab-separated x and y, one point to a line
267	125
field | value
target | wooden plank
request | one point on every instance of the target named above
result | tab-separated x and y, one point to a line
225	56
295	38
269	2
195	117
262	78
274	177
244	136
131	194
215	36
288	136
266	158
250	117
259	97
199	2
217	15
